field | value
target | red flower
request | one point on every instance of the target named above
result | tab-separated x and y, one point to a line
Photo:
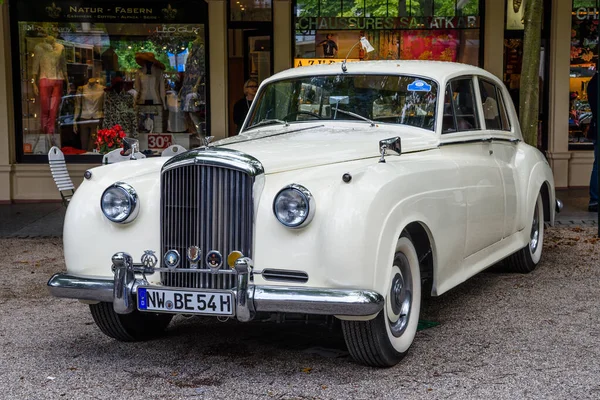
109	139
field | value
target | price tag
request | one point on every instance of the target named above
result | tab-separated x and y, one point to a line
159	141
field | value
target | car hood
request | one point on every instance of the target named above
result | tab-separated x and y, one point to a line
298	146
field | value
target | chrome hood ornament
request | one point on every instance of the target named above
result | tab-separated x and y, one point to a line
207	140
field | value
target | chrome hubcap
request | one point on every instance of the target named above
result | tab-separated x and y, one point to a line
535	231
400	296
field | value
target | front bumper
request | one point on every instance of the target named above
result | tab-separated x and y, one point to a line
250	299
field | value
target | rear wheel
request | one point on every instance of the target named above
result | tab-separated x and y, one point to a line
385	340
133	327
527	259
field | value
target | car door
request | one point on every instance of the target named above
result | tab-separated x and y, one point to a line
504	147
464	140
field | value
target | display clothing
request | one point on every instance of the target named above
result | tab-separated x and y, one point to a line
49	61
194	72
149	83
50	97
91	101
176	122
50	67
119	108
240	110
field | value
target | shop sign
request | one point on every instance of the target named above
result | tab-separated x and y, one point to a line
303	62
388	23
583	13
159	141
126	11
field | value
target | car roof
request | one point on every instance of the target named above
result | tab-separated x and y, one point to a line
437	70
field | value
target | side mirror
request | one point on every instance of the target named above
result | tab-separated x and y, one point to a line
130	147
390	146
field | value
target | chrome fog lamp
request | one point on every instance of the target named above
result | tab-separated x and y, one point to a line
119	203
294	206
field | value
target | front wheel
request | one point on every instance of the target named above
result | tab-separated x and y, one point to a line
385	340
527	259
134	327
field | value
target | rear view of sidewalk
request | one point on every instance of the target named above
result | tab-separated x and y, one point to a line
46	219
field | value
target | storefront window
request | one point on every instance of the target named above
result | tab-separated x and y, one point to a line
444	30
89	67
250	10
584	58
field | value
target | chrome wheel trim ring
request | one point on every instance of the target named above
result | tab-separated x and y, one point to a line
400	296
535	229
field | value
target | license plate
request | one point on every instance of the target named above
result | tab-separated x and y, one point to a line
185	301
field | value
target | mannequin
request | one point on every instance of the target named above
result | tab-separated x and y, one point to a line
49	72
88	112
149	81
119	108
192	93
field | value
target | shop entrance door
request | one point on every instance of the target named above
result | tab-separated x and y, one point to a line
250	57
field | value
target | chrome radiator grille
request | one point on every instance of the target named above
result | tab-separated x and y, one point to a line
209	207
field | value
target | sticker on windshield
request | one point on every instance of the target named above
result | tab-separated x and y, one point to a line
419	86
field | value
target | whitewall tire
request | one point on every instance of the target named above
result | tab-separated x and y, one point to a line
385	340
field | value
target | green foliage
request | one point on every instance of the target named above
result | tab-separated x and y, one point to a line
126	51
385	8
584	4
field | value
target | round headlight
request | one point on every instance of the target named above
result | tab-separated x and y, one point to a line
294	206
119	203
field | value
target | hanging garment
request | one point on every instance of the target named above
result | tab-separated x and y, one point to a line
91	101
151	87
49	61
50	97
119	109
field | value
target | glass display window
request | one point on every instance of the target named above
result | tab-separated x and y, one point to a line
87	69
443	30
584	58
250	10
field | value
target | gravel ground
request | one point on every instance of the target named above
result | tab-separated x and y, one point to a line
500	336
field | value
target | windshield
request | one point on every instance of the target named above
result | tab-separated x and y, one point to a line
390	99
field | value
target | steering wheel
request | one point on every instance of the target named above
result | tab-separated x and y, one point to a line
312	114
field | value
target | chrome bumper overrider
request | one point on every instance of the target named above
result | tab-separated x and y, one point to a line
249	297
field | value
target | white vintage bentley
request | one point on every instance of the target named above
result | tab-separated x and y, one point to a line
351	192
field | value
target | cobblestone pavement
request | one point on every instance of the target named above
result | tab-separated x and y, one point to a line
500	336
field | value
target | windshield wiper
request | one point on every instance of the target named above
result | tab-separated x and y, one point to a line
269	122
355	115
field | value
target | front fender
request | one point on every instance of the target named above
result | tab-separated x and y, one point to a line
90	239
351	240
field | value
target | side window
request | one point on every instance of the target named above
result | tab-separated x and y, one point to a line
503	113
463	102
449	122
491	108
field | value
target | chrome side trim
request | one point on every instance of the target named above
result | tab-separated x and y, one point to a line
217	157
467	141
484	140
